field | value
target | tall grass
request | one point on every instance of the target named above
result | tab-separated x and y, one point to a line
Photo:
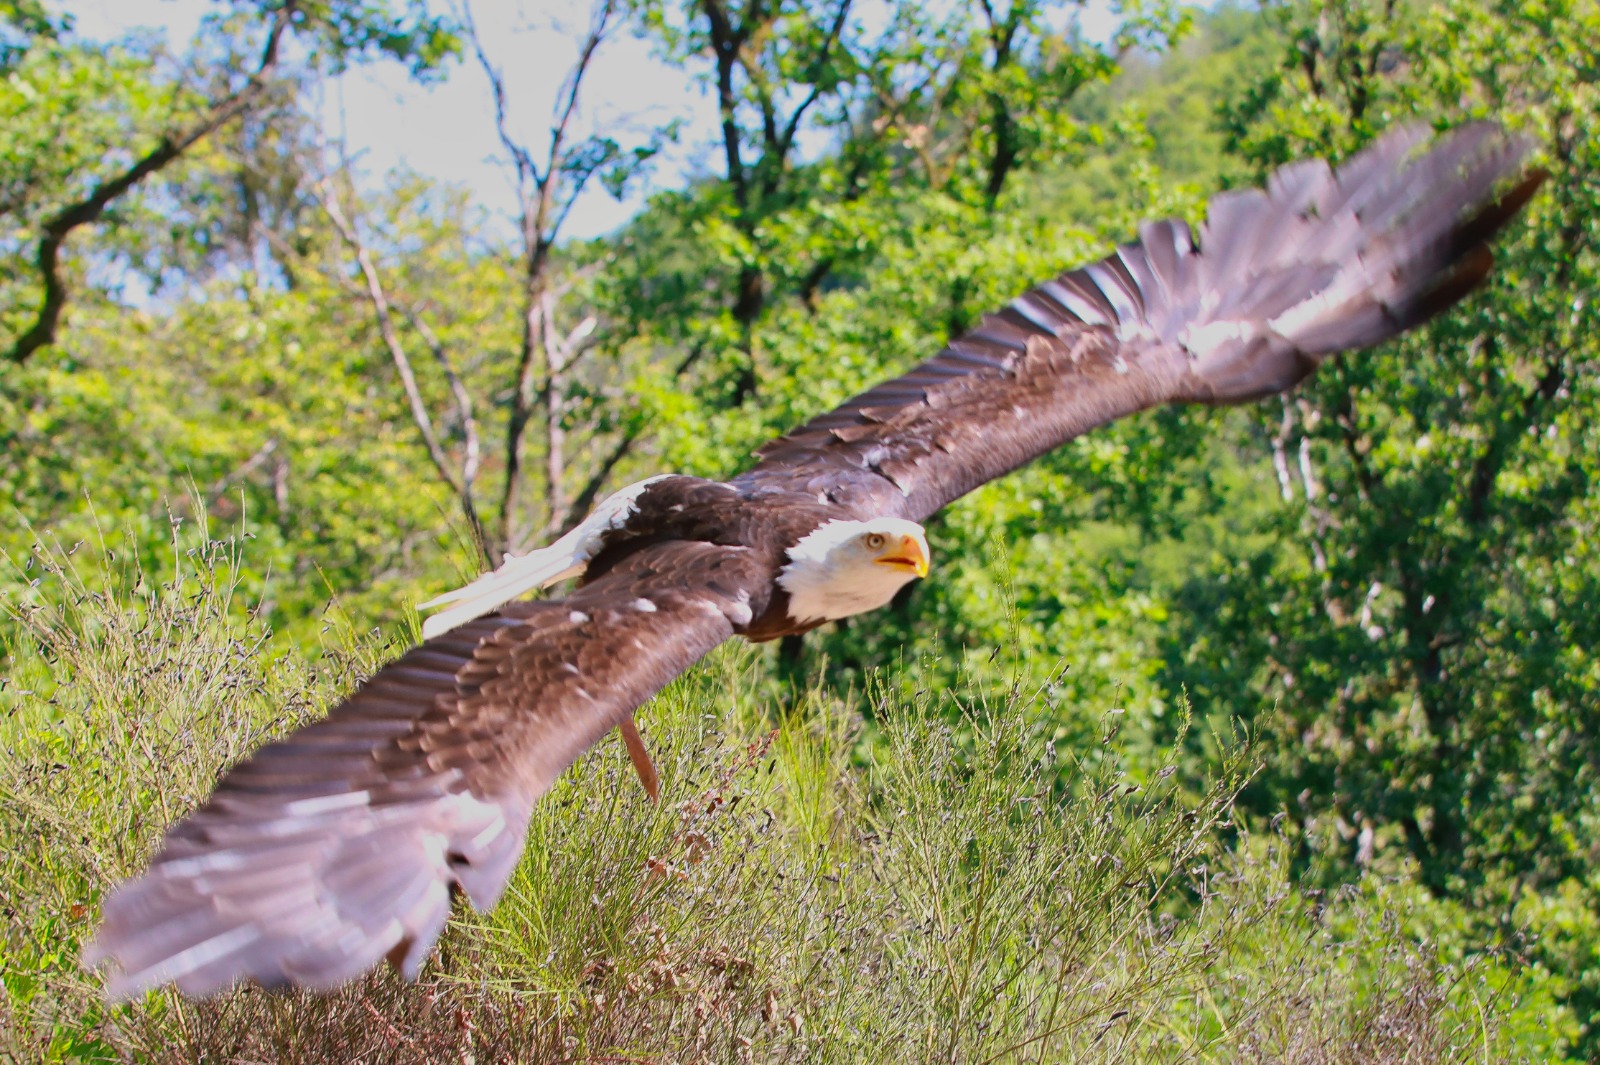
945	885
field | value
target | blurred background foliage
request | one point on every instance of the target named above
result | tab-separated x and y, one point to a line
1387	577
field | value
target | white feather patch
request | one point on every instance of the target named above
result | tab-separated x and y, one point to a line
1202	341
567	557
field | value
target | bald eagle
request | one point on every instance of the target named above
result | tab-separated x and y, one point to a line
342	844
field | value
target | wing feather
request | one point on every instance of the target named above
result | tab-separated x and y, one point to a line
342	843
1320	261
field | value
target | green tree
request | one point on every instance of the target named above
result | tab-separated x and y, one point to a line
1421	614
72	159
102	435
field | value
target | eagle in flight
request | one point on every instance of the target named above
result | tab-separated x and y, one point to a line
342	844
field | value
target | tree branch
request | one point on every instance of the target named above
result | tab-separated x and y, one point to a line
89	209
545	206
574	82
458	393
554	394
583	502
725	43
522	160
462	485
1350	437
835	32
258	459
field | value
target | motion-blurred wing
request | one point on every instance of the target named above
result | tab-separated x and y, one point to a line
340	845
1319	262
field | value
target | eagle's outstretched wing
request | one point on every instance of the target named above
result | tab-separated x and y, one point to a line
340	844
1319	262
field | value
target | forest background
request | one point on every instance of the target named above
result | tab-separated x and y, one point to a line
1259	733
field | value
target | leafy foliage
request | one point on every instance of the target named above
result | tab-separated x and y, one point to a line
1417	620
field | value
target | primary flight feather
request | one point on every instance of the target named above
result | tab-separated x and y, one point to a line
342	844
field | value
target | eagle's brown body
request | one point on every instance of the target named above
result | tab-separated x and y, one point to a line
679	511
342	843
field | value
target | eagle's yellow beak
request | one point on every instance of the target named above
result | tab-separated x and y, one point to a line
909	554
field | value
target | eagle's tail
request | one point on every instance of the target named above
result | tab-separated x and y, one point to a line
516	577
519	575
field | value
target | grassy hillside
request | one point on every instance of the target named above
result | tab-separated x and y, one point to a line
947	885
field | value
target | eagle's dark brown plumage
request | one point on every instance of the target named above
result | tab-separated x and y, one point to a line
341	844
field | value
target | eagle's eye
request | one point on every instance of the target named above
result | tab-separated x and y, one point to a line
875	541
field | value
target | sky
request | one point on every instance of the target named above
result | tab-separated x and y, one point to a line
446	130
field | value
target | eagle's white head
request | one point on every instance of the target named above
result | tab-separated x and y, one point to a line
847	567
